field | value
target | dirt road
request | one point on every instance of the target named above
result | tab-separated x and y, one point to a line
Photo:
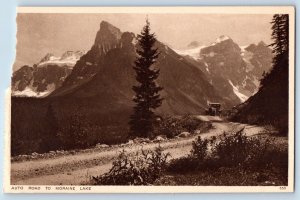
77	169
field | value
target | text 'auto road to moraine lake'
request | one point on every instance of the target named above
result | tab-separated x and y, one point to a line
105	99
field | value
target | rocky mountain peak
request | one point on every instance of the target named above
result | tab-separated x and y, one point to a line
68	58
222	45
107	35
127	39
262	43
72	54
222	39
47	57
261	46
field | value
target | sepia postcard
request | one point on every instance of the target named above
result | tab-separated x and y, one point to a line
151	100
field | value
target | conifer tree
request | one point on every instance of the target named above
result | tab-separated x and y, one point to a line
280	36
147	97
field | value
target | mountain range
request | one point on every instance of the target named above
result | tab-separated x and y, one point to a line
233	70
44	77
103	76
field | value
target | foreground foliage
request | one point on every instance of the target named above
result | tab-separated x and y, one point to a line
231	159
142	168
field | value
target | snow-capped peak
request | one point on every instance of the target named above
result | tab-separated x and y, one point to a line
68	58
220	39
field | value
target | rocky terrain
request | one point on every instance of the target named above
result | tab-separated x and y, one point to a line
44	77
233	70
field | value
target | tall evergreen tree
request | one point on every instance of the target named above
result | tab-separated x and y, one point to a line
280	36
147	97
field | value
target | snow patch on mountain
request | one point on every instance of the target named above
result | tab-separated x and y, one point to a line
206	67
256	82
69	58
29	92
236	91
194	52
70	63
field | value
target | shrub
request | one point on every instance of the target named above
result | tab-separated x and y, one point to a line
173	126
238	149
200	148
197	159
230	150
167	126
142	168
190	123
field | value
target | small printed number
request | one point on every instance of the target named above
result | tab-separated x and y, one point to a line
282	188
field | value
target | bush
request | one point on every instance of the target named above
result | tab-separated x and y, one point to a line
173	126
190	123
167	126
230	150
200	148
238	149
142	168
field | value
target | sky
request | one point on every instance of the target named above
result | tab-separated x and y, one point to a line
39	34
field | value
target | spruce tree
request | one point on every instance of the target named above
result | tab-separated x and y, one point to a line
147	97
280	36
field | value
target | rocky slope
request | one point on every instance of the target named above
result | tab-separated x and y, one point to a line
234	71
45	76
270	105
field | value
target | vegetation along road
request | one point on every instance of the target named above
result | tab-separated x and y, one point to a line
78	168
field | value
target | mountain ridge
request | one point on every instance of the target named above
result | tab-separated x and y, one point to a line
234	69
114	70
